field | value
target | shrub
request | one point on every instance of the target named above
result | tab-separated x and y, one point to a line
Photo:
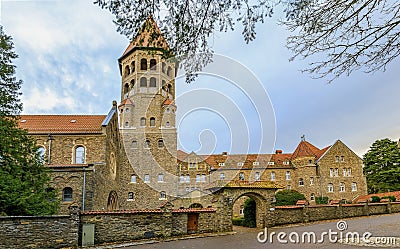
288	197
375	199
321	200
238	221
249	212
390	197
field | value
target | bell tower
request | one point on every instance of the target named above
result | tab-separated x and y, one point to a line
147	110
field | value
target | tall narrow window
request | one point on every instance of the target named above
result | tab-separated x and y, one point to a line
312	197
130	196
127	70
163	65
203	178
354	186
67	194
152	121
147	144
311	180
163	195
143	121
342	188
273	176
331	173
126	88
182	178
337	159
287	175
257	176
301	182
169	71
132	83
153	64
143	64
222	176
153	82
160	178
342	159
41	151
133	178
349	172
79	155
330	188
134	144
197	178
146	178
241	176
187	178
143	82
160	143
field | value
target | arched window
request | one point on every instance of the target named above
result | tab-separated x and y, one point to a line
127	70
160	143
67	194
133	178
167	124
134	144
273	176
143	82
126	88
143	64
163	195
79	155
132	83
41	151
163	65
153	82
147	144
182	178
169	71
153	64
152	121
133	66
169	88
143	121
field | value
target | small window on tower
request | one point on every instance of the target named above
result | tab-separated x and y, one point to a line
160	143
143	121
143	82
169	71
126	88
133	66
127	70
143	64
152	121
167	124
163	65
153	82
153	64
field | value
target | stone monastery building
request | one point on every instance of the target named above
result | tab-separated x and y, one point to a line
128	159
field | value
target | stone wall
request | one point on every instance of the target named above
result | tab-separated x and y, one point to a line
120	226
302	214
40	231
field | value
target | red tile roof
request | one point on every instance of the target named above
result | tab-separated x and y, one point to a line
366	198
181	155
61	124
243	184
145	211
305	149
125	102
168	101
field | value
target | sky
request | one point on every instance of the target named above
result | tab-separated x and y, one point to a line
68	51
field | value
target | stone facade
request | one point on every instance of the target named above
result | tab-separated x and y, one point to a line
128	159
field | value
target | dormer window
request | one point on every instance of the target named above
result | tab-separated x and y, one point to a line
256	163
271	163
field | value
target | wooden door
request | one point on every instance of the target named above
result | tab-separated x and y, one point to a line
192	223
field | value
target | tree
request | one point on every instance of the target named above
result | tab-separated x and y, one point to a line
23	177
249	212
382	166
339	36
288	197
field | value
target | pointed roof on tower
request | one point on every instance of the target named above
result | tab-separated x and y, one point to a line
148	36
306	149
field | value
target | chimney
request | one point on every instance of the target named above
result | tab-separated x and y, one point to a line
278	152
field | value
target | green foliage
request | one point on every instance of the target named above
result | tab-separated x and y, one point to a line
375	199
238	222
249	212
288	197
390	197
382	166
23	177
321	200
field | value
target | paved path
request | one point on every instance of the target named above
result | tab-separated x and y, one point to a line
383	225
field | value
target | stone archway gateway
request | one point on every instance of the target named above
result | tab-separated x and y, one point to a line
262	192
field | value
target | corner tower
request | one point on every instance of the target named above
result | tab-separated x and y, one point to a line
147	110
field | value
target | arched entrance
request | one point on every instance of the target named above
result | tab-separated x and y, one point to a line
112	202
262	192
